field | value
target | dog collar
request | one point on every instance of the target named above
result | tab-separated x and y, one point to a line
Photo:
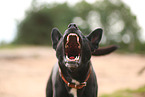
71	85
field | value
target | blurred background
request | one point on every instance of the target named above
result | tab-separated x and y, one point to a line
26	55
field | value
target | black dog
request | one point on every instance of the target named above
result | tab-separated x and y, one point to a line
73	75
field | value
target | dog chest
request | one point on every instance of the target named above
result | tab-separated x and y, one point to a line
73	91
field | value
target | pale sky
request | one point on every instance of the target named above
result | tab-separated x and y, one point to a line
12	10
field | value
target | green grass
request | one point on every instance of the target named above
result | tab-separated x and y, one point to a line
127	93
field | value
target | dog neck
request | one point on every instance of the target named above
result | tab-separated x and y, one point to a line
75	84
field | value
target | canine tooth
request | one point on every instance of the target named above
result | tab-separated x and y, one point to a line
77	39
68	38
77	58
67	57
78	42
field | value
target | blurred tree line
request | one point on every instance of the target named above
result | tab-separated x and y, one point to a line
119	24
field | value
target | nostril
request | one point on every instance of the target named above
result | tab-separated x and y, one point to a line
69	25
72	25
75	26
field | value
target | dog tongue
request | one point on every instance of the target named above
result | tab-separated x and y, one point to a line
72	57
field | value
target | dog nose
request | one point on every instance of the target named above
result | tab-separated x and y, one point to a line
72	25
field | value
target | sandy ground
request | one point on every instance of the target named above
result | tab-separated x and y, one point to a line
24	71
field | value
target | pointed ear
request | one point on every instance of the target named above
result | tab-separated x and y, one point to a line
55	37
95	37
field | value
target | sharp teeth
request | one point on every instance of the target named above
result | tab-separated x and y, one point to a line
73	34
68	38
79	46
77	58
67	57
77	39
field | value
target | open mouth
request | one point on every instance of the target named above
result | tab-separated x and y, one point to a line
72	44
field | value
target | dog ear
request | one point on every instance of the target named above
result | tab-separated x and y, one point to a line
55	37
105	50
95	37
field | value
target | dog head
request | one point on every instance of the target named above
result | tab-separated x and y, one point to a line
73	49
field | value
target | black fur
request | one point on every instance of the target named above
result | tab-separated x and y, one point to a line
89	44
